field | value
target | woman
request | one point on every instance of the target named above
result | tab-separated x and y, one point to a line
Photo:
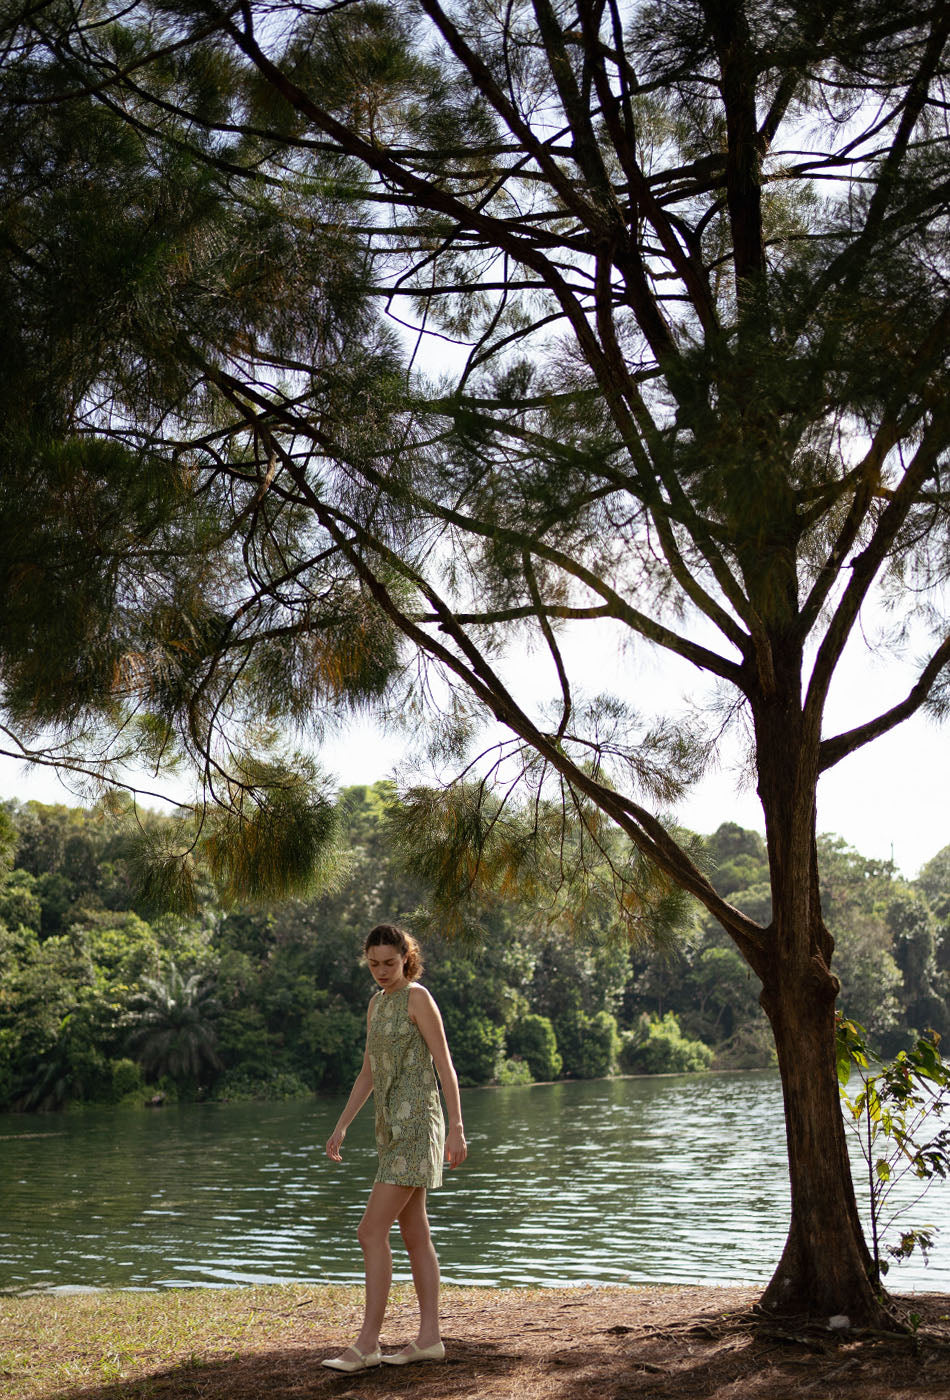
405	1046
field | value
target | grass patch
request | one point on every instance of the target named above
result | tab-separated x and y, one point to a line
49	1345
158	1346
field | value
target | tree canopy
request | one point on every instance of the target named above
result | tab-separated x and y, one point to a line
412	333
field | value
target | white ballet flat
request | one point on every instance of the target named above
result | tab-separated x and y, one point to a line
415	1353
366	1360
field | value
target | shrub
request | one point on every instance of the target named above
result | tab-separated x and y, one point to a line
478	1048
589	1044
658	1046
533	1039
515	1072
275	1084
126	1080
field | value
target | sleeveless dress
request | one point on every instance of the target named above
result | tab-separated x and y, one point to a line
410	1131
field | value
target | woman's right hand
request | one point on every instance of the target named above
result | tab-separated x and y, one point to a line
456	1148
334	1143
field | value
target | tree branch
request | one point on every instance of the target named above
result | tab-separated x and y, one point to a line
647	833
831	751
865	567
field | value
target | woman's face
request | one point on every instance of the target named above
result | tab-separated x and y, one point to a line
386	964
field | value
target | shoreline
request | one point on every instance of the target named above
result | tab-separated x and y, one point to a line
136	1102
67	1292
402	1281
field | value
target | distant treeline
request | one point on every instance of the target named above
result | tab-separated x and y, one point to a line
101	1001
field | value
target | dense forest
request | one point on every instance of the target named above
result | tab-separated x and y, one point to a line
103	1000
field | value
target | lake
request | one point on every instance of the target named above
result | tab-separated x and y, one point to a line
668	1179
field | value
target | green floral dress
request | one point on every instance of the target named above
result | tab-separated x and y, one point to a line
410	1131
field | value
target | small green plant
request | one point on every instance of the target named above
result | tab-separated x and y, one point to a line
515	1071
898	1104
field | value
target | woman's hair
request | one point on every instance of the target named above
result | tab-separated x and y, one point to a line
394	937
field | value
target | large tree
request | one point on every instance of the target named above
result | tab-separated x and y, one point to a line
669	290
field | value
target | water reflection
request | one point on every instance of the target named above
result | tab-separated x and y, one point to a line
672	1179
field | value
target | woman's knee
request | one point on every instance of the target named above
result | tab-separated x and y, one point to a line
415	1231
386	1202
371	1231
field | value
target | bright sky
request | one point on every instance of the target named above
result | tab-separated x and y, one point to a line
888	800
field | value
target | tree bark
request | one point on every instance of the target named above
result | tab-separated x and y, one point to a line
825	1265
825	1268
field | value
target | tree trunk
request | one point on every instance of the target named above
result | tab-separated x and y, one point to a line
825	1266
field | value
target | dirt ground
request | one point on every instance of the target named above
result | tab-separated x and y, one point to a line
558	1344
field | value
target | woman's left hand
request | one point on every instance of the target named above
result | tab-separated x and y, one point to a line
456	1148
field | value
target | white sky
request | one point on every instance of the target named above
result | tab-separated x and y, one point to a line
888	800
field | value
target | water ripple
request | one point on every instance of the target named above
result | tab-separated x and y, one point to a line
647	1180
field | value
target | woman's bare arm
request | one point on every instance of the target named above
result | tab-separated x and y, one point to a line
425	1014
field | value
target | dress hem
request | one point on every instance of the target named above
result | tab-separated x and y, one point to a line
411	1185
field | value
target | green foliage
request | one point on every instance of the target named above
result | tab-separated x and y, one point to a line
871	981
586	975
913	929
898	1113
934	883
702	979
122	948
127	1081
885	941
283	990
53	1023
274	837
532	1039
856	894
515	1072
21	904
563	858
589	1045
9	839
751	1046
243	1084
658	1046
171	1027
478	1046
739	858
330	1043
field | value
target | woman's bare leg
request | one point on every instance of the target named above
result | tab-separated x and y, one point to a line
414	1225
385	1205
